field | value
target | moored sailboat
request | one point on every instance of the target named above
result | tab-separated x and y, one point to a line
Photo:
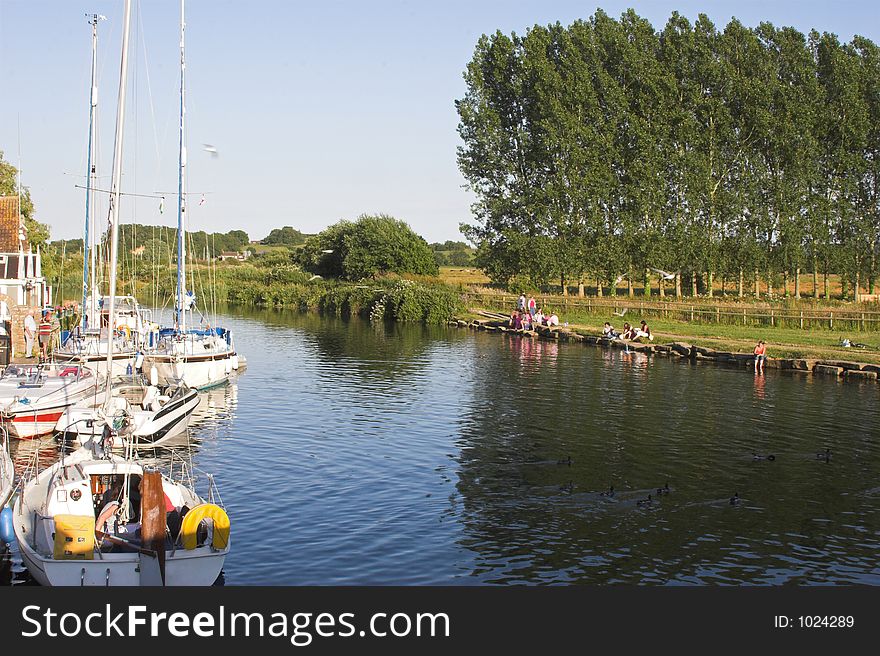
98	518
202	356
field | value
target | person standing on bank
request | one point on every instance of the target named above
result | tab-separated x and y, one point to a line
760	356
45	334
30	333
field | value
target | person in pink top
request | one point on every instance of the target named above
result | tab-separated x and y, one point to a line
760	356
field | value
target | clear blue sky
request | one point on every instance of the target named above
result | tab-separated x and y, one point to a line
320	111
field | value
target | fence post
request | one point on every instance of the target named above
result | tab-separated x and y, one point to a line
831	321
772	317
692	313
802	319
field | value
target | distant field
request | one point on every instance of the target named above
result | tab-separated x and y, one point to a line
463	276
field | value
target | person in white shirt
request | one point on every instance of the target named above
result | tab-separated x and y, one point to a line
30	332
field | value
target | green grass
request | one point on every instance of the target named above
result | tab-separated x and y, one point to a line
781	342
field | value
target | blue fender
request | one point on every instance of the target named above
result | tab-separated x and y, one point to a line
7	533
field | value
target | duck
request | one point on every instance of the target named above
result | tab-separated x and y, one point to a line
758	456
564	461
826	455
734	500
569	487
663	490
607	493
645	502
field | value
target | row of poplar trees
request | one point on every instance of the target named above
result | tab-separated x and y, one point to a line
600	151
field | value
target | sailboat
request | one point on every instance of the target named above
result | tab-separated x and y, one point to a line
86	345
202	356
34	396
98	518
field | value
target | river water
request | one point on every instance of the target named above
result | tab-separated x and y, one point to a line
350	453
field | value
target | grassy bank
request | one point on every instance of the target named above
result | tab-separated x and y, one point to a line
781	342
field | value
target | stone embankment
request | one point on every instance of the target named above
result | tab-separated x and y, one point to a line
853	371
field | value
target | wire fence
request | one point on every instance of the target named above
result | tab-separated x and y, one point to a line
738	315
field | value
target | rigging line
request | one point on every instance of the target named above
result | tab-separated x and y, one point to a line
121	193
150	92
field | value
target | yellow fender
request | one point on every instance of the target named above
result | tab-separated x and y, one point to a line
190	525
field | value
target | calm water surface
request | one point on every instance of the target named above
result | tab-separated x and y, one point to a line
350	453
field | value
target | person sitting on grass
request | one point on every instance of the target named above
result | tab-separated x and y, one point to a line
552	320
628	332
644	331
609	332
526	321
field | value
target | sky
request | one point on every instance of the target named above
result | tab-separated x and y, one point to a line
319	111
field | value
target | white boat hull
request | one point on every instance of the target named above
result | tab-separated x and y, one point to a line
197	372
198	567
82	424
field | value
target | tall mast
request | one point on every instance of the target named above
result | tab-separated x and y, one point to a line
114	193
179	307
90	173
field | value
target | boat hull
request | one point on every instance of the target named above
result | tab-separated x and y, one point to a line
196	371
198	567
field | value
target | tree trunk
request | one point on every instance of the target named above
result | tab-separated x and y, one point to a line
757	284
827	288
629	287
678	285
815	281
797	283
647	283
581	288
598	287
562	281
856	288
660	286
785	283
769	283
710	278
694	284
741	289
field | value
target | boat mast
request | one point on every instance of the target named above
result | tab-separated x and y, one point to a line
114	194
90	174
179	307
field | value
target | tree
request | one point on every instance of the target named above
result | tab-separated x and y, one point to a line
285	236
368	247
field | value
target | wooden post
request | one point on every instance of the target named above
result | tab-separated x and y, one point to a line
802	319
153	516
831	322
772	318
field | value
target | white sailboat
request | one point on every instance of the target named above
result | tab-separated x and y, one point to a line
143	414
203	356
33	397
87	345
95	518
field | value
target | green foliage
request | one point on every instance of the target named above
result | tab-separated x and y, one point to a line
369	247
607	148
285	236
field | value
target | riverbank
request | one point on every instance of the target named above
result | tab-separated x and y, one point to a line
846	369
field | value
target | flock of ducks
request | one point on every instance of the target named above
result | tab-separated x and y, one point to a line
735	500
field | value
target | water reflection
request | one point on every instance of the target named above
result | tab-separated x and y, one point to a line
632	423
